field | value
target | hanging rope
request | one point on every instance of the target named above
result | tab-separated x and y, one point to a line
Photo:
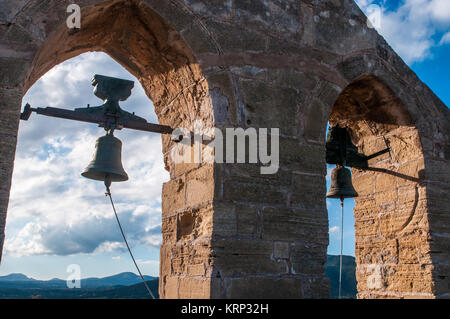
108	193
342	243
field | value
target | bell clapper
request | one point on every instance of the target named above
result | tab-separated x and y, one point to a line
108	184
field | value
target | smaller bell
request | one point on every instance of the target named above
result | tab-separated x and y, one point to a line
107	162
341	184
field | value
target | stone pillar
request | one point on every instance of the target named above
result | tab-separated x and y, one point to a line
9	122
268	241
187	222
230	231
270	231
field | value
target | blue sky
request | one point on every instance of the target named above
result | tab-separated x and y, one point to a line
56	218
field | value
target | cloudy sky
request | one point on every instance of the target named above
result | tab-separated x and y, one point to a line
57	218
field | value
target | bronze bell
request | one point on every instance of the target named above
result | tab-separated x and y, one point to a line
107	162
341	184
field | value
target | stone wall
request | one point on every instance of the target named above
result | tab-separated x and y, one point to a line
228	231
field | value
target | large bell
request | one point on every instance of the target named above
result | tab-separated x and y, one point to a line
107	162
341	184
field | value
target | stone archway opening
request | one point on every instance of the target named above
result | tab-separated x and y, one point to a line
54	213
390	223
149	48
334	244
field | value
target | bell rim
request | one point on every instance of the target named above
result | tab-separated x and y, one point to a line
343	196
114	176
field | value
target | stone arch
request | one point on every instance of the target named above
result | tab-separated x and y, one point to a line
399	249
391	226
145	44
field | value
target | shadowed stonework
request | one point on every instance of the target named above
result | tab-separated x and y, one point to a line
228	231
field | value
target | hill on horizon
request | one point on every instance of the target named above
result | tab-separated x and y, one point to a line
21	281
124	285
348	276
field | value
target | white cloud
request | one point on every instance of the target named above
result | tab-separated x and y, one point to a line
410	28
53	210
445	39
108	246
440	10
334	230
330	168
363	3
28	241
147	262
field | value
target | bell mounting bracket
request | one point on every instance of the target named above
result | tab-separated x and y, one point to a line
109	115
341	151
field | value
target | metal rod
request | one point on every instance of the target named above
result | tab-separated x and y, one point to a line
147	127
98	118
68	114
342	241
378	153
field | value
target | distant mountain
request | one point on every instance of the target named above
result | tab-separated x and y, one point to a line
21	281
122	279
136	291
15	277
348	276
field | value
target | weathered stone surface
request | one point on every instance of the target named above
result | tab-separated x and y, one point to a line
281	250
248	221
274	17
195	223
294	224
254	193
296	156
194	288
271	107
313	122
173	195
304	188
169	229
200	185
170	287
196	36
231	38
223	98
225	220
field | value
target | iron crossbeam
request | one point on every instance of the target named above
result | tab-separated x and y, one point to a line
100	118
